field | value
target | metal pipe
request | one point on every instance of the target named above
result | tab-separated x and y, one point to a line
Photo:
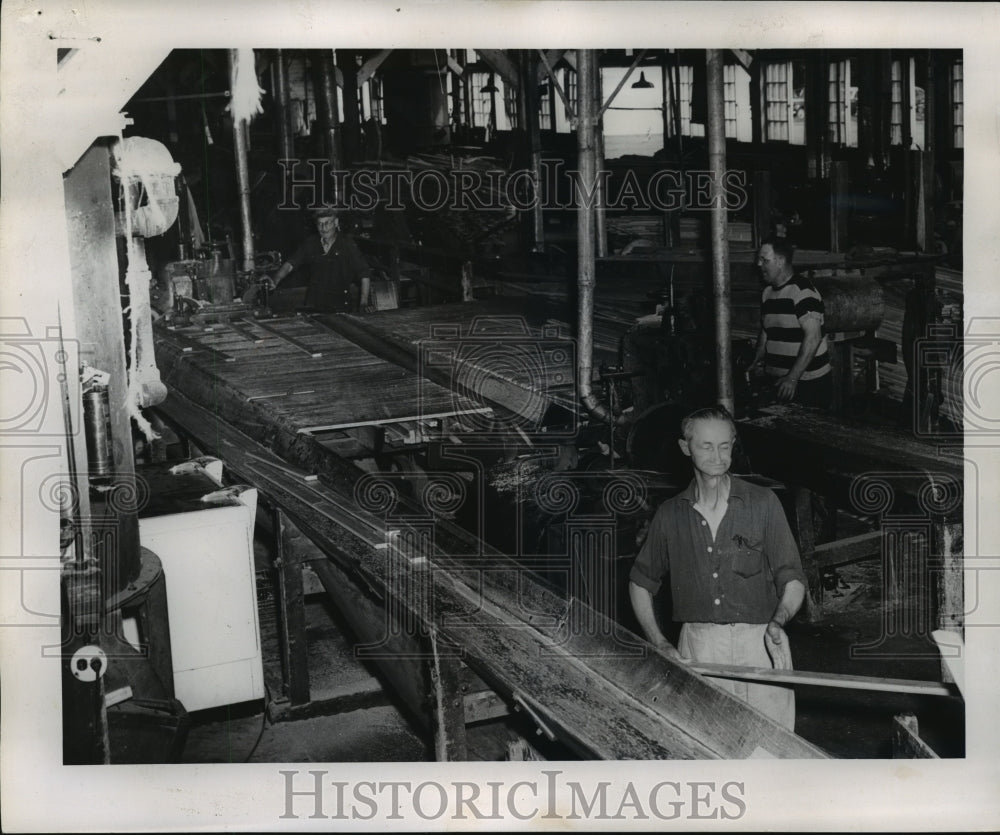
184	97
600	219
282	97
586	165
528	100
242	175
720	245
329	113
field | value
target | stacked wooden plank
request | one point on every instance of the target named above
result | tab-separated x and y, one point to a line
296	371
892	376
949	301
504	352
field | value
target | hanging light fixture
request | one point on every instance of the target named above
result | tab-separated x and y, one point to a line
642	84
489	87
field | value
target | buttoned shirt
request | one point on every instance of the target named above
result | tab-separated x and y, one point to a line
331	273
738	576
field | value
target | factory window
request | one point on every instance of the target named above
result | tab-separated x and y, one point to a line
957	106
906	118
896	111
777	101
486	104
545	105
736	86
563	115
688	128
842	122
371	100
784	102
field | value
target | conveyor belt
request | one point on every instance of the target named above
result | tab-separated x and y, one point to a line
600	690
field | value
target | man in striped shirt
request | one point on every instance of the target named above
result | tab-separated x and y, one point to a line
791	346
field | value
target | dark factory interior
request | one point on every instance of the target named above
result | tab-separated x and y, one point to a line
397	522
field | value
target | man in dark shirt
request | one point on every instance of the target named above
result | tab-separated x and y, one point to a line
338	275
735	574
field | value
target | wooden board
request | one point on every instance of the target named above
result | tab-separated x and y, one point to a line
513	353
300	372
846	444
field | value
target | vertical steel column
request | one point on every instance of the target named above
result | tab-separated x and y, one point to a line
720	243
528	101
600	224
242	174
668	238
585	198
282	96
535	138
350	126
329	112
587	170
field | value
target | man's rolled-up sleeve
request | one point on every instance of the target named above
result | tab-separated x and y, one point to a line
780	547
651	564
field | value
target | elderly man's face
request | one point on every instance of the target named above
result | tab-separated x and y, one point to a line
710	446
327	225
771	265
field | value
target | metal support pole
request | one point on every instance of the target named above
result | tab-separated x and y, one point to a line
242	175
528	99
329	112
668	238
282	97
585	198
720	243
600	224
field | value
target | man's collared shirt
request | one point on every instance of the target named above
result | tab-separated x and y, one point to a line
738	577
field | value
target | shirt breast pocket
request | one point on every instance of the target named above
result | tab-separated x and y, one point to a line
748	561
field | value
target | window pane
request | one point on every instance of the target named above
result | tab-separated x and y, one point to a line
957	106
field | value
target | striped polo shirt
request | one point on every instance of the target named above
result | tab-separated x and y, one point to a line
782	310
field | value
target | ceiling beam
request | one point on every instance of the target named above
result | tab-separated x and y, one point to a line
95	82
369	67
501	62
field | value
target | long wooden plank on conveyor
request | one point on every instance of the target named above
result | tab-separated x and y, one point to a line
190	343
604	692
497	367
847	443
277	381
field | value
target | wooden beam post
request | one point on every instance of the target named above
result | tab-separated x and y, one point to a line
906	741
805	534
948	546
839	201
294	647
450	743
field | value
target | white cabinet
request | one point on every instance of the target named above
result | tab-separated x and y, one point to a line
206	549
